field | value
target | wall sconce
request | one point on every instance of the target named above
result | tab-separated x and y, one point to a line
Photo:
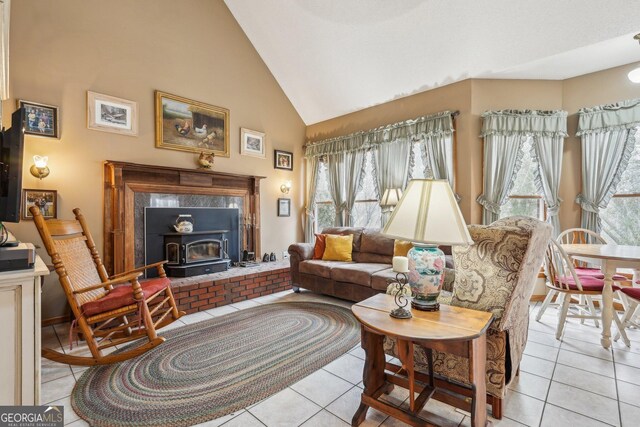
286	187
39	169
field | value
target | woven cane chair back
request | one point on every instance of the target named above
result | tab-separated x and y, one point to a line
81	269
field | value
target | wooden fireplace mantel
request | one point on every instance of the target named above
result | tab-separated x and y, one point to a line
122	180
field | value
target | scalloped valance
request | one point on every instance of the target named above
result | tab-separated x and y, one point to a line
434	124
621	115
527	122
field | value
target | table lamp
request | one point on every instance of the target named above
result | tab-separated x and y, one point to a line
427	215
391	197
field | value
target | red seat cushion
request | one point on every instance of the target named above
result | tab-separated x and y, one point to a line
631	292
591	284
122	296
598	274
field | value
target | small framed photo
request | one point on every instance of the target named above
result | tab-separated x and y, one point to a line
252	143
40	119
46	200
284	207
110	114
283	160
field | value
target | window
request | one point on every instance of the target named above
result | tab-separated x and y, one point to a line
325	209
418	169
366	210
620	222
524	198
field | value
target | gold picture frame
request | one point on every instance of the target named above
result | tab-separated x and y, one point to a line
187	125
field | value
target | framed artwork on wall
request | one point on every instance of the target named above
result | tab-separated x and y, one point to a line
187	125
283	160
110	114
284	207
46	200
252	143
40	119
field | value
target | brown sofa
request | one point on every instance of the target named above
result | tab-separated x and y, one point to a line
368	274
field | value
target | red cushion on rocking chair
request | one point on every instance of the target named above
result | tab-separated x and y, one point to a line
122	296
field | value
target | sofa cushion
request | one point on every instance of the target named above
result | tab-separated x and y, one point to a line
318	267
371	258
343	231
358	273
374	242
380	280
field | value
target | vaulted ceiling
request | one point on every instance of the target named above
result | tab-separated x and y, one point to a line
333	57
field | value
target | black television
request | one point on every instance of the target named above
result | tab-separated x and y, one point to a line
11	154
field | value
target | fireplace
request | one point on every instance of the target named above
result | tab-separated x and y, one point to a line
212	245
201	252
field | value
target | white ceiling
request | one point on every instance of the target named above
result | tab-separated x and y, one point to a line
333	57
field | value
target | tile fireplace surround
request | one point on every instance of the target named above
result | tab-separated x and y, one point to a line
237	284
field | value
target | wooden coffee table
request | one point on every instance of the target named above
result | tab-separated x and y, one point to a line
454	330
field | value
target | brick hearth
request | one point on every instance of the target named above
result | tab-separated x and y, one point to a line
200	293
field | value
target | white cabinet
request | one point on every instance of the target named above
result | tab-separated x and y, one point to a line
20	335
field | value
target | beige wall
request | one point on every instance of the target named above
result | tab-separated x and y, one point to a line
191	48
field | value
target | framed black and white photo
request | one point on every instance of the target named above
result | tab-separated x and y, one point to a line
110	114
40	119
283	160
252	143
284	207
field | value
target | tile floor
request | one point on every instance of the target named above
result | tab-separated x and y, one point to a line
573	382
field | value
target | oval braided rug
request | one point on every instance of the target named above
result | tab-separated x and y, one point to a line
215	367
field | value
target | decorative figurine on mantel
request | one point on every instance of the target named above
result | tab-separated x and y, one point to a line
206	160
399	289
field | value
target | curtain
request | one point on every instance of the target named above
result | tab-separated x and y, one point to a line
335	172
392	164
309	213
353	173
608	140
438	155
504	133
605	156
502	158
547	150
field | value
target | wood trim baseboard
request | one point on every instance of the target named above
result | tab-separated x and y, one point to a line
55	320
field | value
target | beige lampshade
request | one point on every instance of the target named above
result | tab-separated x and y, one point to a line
428	213
391	197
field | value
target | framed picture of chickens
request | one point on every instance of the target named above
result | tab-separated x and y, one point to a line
110	114
187	125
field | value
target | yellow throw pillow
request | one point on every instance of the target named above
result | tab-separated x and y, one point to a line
401	247
338	248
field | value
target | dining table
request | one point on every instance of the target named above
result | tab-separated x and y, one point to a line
610	258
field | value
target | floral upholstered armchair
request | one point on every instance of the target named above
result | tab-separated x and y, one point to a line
496	274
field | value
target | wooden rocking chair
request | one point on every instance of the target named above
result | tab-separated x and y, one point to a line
101	309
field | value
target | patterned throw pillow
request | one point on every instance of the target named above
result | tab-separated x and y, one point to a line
338	248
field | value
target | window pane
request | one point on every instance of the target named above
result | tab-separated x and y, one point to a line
620	222
369	188
630	180
367	214
322	187
525	178
523	207
418	170
325	216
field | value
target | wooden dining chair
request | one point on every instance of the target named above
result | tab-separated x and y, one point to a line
582	268
108	311
563	279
